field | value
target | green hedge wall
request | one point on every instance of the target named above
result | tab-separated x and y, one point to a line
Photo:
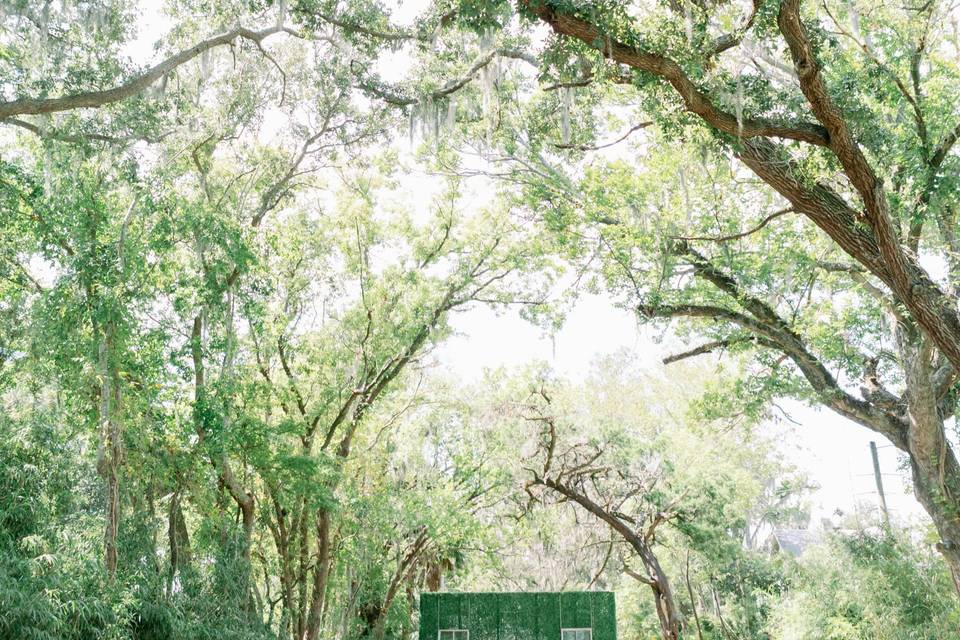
518	616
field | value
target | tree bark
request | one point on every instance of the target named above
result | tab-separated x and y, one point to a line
933	463
179	540
671	622
321	572
110	452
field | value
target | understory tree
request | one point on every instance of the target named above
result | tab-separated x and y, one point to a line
867	586
618	487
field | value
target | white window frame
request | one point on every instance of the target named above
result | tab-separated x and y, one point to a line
455	632
589	631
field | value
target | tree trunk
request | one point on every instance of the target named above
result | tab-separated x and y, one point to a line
403	573
321	571
109	454
112	524
671	623
933	464
179	539
933	493
202	409
283	541
303	562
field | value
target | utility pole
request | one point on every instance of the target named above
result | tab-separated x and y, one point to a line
879	479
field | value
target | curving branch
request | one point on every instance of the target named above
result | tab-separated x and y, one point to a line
695	100
820	379
394	96
604	145
91	99
743	234
771	330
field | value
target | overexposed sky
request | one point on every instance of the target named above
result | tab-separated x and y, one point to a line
833	451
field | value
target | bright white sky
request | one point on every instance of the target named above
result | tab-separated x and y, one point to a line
833	451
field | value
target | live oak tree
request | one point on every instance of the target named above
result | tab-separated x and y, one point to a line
648	498
841	113
868	175
580	473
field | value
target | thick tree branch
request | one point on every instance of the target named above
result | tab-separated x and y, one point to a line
772	331
25	106
933	310
940	154
695	100
855	165
820	379
818	202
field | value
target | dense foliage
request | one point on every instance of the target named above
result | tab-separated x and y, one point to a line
224	277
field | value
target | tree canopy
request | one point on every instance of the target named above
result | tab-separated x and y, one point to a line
234	234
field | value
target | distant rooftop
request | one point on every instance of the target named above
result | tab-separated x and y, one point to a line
793	541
